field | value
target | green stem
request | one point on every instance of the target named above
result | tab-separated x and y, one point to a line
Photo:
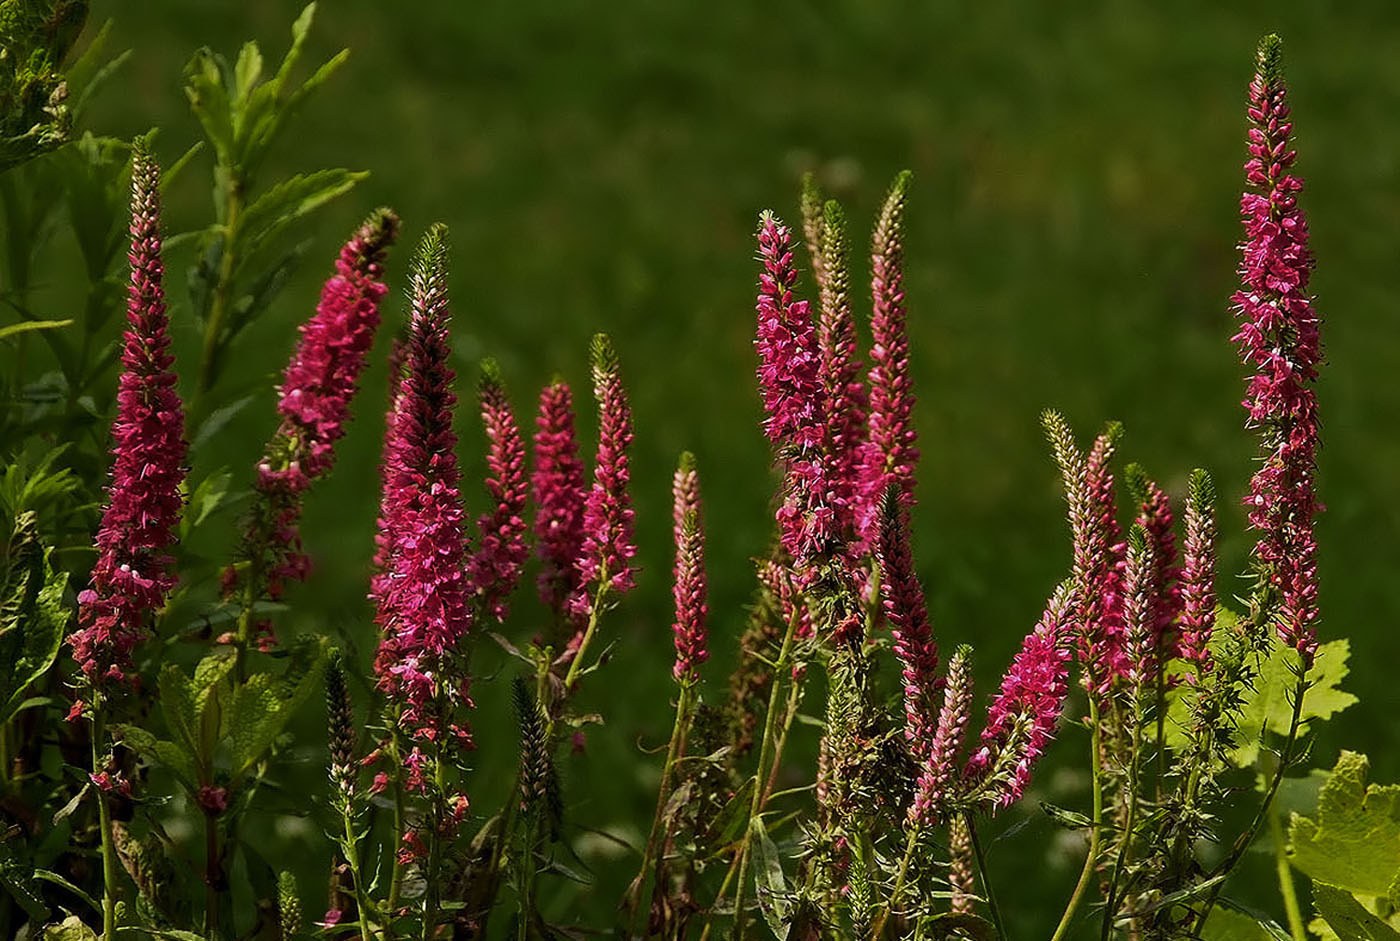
1091	861
396	878
223	288
349	848
1247	837
104	816
769	723
1285	878
898	883
673	751
985	876
1110	912
593	618
212	876
432	889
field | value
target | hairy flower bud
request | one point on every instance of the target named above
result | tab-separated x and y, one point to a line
495	567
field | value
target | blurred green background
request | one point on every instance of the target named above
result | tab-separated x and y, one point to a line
1071	243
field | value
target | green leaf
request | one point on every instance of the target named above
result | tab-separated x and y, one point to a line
275	210
180	760
769	884
207	498
204	86
732	818
1267	707
1354	843
194	708
958	925
262	707
16	879
1227	924
43	875
246	73
25	326
33	618
1348	917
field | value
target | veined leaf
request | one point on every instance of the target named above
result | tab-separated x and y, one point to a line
1226	924
769	884
1354	844
261	708
173	756
33	617
1348	917
272	212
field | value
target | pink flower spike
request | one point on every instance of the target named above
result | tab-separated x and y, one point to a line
1279	339
847	399
557	484
939	770
689	592
1024	714
890	456
422	607
903	599
1198	574
317	388
501	552
1157	520
132	575
605	561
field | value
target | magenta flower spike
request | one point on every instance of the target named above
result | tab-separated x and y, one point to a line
1157	520
132	575
847	398
559	492
1024	714
690	587
605	560
1198	574
890	453
501	552
795	400
317	388
939	772
1279	338
1140	588
903	601
422	600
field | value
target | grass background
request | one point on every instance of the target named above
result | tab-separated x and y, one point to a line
1071	243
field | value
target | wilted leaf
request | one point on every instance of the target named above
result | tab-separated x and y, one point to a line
70	929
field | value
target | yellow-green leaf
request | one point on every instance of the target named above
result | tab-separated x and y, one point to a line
1354	843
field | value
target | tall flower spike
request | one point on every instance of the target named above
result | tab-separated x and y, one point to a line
132	575
690	589
847	399
903	599
501	551
794	398
1156	518
890	455
608	541
317	387
1198	573
1279	339
1140	589
939	770
340	724
559	492
422	607
1024	714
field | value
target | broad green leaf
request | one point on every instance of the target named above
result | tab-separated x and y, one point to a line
16	879
261	708
33	615
247	71
1354	843
204	86
769	885
44	875
25	326
173	756
732	819
1226	924
1348	917
207	498
193	708
1267	707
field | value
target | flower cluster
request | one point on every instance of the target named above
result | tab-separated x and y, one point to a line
422	600
939	771
689	591
1198	573
605	558
1279	339
557	485
903	599
315	395
890	456
501	551
132	575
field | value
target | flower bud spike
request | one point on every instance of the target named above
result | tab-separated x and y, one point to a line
1198	573
690	587
939	772
847	398
494	569
813	202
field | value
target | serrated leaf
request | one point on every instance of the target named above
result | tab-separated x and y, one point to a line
204	86
246	73
38	639
261	708
1267	707
16	880
1348	917
769	885
1354	843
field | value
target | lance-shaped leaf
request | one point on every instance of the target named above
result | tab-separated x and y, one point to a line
261	708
